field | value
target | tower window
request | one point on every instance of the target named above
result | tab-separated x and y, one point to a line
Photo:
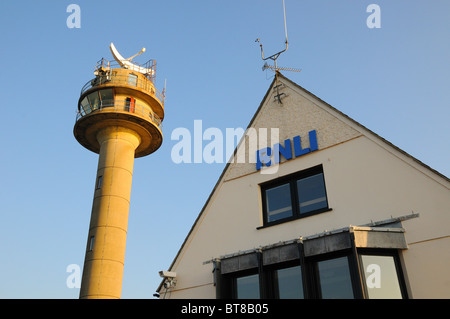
129	104
85	105
99	182
107	97
91	243
98	99
94	100
132	79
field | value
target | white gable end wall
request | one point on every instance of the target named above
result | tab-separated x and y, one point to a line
366	179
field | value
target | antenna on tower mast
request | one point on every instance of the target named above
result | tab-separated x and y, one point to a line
275	56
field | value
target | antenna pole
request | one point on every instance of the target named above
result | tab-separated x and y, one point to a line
285	27
164	90
275	56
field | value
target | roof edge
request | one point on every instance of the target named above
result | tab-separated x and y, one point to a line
217	183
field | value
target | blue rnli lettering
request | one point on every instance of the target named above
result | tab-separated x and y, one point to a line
263	156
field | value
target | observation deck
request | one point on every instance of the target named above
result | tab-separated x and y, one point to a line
125	97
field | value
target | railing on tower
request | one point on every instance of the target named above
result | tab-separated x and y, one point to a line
121	106
104	75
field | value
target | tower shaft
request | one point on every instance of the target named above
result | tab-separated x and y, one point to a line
120	114
105	253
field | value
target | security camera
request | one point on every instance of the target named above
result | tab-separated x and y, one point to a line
170	284
169	278
167	274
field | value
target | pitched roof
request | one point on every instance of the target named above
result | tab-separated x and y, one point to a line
283	78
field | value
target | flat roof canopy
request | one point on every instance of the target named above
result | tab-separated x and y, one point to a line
327	242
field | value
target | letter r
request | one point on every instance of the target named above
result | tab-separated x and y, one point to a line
263	156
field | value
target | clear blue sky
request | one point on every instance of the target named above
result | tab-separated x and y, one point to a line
394	80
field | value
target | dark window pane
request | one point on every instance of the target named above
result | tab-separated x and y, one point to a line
311	193
91	243
247	287
85	105
278	203
290	284
335	280
381	277
99	182
94	100
107	97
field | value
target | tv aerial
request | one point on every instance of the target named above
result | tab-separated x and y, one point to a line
274	57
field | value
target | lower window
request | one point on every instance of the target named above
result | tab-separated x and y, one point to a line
381	275
247	287
335	279
371	274
288	283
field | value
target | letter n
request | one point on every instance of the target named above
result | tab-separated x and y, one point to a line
286	151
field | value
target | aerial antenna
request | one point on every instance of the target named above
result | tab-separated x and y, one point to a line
164	90
274	57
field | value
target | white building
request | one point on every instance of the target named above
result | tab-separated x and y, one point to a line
345	214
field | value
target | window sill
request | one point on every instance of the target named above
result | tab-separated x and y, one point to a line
293	218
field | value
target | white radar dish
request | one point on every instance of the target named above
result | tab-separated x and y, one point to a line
126	63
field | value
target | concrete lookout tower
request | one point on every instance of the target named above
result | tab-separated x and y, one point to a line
119	117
